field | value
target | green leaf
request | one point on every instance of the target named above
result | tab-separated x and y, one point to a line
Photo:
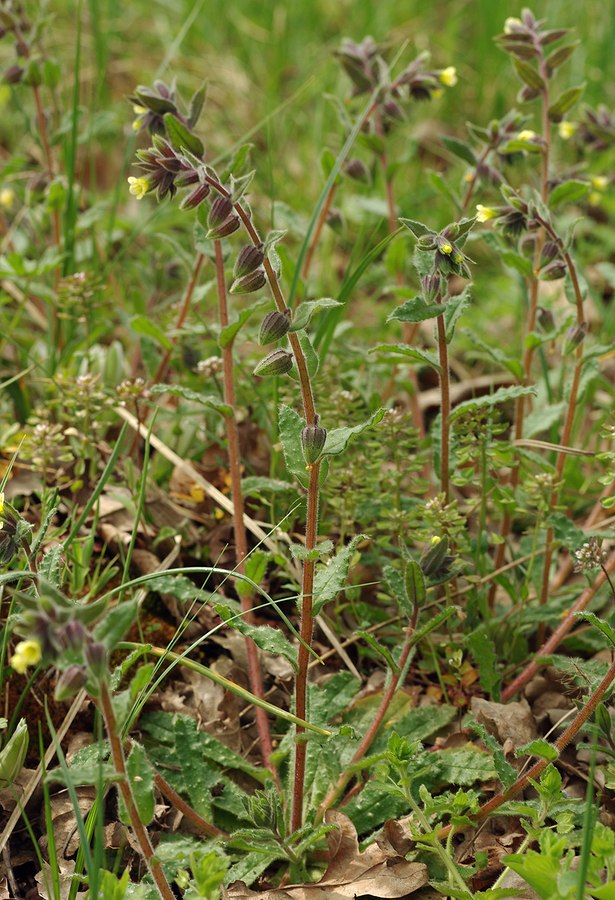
502	395
290	425
462	766
514	261
228	334
415	591
196	105
181	137
299	551
260	485
453	310
379	648
483	652
307	308
417	228
141	776
416	310
607	630
208	400
267	638
568	192
460	149
339	438
116	623
412	354
529	75
540	748
255	567
505	772
564	102
517	146
143	325
508	362
49	568
331	578
238	162
311	356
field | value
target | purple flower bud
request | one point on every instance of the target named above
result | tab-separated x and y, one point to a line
69	682
356	169
313	438
278	362
249	259
274	326
196	197
574	336
554	271
545	319
220	210
431	285
249	283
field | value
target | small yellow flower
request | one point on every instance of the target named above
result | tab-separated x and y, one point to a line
526	135
567	129
469	176
448	76
446	248
484	213
27	653
138	110
7	198
457	257
138	187
436	539
1	504
511	24
218	513
595	198
599	182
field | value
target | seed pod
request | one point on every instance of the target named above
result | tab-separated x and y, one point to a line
195	197
431	285
356	169
393	110
545	319
12	75
249	259
426	242
434	562
554	271
549	252
274	326
69	683
220	210
573	337
278	362
227	227
249	283
313	439
186	178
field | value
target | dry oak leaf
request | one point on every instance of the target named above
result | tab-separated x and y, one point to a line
349	874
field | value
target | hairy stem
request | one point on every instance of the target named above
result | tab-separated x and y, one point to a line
368	738
307	626
560	744
445	405
163	368
239	528
528	354
560	632
119	762
311	524
191	814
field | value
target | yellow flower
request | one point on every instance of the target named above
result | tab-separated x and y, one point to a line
138	110
526	135
457	257
436	539
595	198
448	76
446	248
1	505
599	182
567	129
27	653
7	198
511	24
484	213
138	187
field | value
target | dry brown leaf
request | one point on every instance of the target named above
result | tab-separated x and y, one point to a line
45	881
66	834
506	721
350	873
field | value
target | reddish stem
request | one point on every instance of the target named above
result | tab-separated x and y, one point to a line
239	529
559	634
183	314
